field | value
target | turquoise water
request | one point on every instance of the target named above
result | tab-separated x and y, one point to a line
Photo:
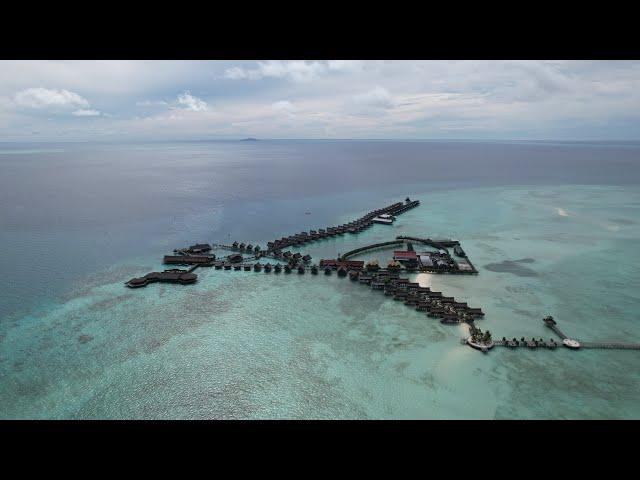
256	345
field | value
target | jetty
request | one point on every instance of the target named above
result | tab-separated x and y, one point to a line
564	341
189	259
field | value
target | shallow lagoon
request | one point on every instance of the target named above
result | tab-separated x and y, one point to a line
257	345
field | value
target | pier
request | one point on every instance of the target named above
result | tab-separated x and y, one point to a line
565	341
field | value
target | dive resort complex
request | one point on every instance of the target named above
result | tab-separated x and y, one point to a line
410	255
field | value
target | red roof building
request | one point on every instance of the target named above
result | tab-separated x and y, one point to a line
404	255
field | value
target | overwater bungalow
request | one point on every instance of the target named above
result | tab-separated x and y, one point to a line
235	258
234	244
227	266
306	258
342	272
267	267
199	248
372	266
353	275
287	269
256	249
393	266
277	268
300	269
327	270
247	267
314	269
257	267
237	266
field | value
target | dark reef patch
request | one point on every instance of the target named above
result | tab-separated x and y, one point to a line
85	338
622	221
513	266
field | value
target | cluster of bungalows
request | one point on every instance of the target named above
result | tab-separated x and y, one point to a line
355	226
435	304
245	247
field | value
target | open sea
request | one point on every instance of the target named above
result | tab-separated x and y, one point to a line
553	228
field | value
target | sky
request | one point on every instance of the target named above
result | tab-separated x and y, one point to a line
317	99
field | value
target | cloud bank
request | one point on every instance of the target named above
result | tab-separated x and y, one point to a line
148	100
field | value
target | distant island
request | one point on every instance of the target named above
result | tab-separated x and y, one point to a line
250	139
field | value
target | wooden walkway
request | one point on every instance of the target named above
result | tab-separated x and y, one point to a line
610	345
571	344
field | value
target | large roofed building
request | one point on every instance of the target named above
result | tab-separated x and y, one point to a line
402	255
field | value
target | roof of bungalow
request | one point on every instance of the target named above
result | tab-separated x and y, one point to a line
404	255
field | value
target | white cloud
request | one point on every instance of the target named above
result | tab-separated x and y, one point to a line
296	70
236	73
283	105
86	113
312	99
45	97
377	97
151	103
189	102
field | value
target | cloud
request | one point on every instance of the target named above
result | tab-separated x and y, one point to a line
296	70
45	97
283	105
377	97
86	113
151	103
189	102
313	99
